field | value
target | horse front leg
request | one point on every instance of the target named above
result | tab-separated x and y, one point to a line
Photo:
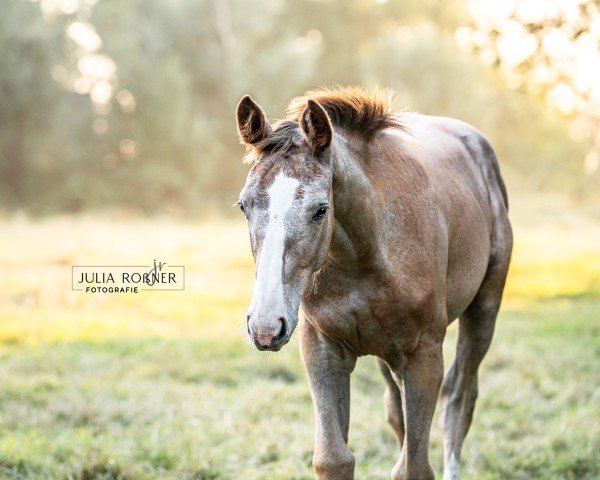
419	375
328	367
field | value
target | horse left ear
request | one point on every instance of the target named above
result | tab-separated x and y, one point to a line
316	126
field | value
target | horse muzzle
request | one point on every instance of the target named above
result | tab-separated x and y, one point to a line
269	335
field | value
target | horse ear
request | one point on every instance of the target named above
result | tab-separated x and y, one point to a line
316	126
252	124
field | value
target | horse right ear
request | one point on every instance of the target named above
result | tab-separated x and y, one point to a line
316	126
252	124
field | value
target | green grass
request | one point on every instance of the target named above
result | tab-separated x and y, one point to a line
164	384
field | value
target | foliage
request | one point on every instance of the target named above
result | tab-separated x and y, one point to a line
551	50
153	128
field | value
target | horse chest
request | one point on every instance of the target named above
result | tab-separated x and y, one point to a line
369	316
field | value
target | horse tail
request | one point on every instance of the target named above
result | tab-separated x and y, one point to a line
483	154
489	152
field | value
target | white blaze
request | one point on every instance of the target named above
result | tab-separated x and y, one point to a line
268	291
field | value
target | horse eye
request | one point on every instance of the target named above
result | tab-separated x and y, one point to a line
320	213
242	208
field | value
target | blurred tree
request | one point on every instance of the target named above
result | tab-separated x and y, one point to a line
436	78
132	103
29	46
548	49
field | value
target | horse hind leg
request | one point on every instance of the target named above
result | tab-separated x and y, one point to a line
459	388
393	402
475	331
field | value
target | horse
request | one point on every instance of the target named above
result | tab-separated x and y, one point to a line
385	226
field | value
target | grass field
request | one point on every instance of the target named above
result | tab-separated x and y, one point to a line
165	385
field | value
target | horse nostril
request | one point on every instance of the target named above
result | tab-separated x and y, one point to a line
283	332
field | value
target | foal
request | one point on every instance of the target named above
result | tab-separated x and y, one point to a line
385	227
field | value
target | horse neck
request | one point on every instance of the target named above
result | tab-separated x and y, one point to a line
354	237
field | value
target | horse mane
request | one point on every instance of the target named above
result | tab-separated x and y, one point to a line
350	108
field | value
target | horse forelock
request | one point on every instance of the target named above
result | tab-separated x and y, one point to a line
284	138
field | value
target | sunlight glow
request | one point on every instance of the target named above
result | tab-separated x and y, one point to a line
82	85
591	163
568	69
65	7
100	126
85	36
127	147
126	101
308	41
563	97
97	66
534	11
101	92
97	71
485	11
577	60
515	45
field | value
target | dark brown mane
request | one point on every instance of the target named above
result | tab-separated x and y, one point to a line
351	108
